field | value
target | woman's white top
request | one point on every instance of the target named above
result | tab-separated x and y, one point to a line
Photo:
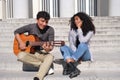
82	39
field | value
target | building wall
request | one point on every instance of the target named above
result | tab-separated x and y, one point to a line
57	8
0	9
114	7
67	9
103	8
30	9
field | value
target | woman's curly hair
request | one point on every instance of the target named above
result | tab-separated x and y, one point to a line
87	24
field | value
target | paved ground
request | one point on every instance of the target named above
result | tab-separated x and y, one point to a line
106	66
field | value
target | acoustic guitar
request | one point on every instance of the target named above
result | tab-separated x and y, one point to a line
31	41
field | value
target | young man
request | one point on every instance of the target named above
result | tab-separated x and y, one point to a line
41	57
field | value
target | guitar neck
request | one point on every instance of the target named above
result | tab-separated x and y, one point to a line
52	43
36	43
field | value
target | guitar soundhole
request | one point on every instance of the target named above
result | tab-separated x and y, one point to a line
27	43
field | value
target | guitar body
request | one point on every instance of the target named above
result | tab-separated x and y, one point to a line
24	38
34	41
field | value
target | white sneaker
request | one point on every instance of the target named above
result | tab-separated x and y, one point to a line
51	71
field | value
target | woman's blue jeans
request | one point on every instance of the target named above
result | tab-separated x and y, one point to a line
82	52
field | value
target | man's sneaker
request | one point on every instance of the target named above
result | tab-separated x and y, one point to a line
51	71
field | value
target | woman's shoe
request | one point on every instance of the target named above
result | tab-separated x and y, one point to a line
74	70
74	73
66	70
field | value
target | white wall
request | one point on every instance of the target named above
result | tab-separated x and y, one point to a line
36	7
114	8
67	8
108	8
0	9
20	9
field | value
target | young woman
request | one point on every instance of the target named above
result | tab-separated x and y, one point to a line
82	29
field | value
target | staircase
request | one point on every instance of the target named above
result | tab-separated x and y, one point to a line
107	32
104	46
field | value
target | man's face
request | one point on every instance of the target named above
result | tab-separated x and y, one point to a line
42	23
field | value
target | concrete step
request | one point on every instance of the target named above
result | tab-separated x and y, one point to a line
60	26
105	66
100	57
102	34
63	32
92	47
85	75
96	18
104	46
95	71
97	43
107	31
99	40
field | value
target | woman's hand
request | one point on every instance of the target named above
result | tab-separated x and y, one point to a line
79	25
78	22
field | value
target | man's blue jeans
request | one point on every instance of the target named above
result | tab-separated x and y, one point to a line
82	52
